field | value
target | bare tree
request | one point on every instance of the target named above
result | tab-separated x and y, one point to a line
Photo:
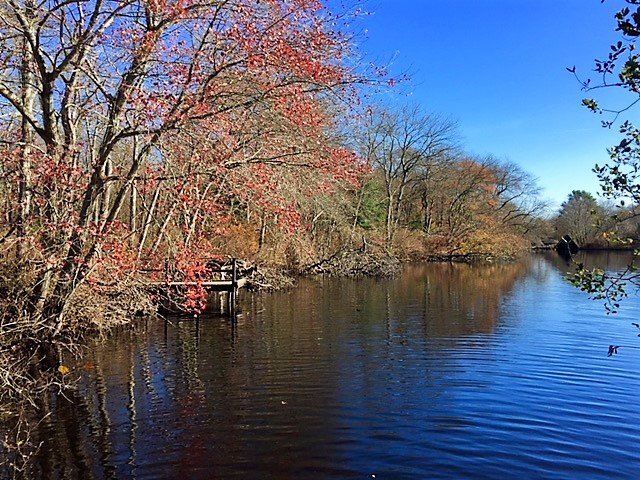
402	146
519	203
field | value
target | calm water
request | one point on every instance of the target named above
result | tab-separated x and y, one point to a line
448	371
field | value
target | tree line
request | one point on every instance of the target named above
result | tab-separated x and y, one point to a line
137	132
133	132
597	224
425	185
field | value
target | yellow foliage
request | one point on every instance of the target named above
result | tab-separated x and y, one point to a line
240	241
494	243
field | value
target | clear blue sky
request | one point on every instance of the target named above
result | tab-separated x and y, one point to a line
498	67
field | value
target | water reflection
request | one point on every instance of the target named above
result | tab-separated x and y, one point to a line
614	261
447	371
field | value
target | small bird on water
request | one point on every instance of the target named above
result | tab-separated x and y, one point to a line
613	350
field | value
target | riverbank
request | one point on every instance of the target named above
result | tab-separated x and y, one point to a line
33	362
437	362
359	263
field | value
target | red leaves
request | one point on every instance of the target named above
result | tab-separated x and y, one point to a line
193	269
347	166
177	121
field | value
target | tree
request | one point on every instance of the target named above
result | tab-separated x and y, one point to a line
136	131
620	177
518	196
581	217
400	145
466	205
157	107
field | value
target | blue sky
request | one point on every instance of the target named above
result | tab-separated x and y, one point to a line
498	68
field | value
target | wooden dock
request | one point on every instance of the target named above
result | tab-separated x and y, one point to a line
213	285
229	285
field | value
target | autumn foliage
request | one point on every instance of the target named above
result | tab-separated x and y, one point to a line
137	131
140	140
435	201
143	140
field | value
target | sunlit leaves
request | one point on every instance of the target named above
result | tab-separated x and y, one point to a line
591	105
162	125
609	287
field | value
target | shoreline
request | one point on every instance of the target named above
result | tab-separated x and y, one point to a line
74	340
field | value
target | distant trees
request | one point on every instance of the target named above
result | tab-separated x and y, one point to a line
427	185
454	200
581	217
471	205
519	204
596	223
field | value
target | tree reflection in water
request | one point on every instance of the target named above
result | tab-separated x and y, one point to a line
330	380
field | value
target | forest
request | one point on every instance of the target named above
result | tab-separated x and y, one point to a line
140	131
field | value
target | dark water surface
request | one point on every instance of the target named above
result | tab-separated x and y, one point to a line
448	371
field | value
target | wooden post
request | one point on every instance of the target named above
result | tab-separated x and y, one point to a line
234	287
234	274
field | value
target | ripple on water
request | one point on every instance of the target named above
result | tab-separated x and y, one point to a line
444	372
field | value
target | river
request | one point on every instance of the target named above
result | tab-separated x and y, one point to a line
447	371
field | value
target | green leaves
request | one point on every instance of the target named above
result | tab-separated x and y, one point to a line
620	177
591	105
611	287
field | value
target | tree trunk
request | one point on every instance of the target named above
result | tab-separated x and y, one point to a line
26	139
133	209
148	220
263	231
